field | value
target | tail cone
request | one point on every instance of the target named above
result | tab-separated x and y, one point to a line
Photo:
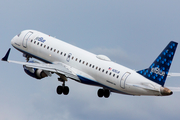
165	91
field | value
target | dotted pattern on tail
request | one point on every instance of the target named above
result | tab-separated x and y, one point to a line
159	69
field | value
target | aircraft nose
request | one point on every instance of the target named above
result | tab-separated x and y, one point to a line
16	40
13	41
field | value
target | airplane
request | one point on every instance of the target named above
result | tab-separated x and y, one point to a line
70	62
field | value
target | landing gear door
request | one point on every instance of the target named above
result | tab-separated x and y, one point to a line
26	38
123	80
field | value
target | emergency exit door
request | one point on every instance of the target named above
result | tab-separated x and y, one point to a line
123	80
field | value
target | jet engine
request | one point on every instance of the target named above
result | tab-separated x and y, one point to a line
34	72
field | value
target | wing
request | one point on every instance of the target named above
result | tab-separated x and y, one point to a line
58	68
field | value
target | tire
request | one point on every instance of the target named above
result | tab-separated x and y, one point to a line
100	93
59	90
66	90
106	93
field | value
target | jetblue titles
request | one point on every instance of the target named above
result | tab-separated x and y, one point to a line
40	39
157	70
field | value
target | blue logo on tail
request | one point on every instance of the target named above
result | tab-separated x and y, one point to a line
159	69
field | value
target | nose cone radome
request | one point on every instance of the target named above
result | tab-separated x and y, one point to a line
13	41
16	41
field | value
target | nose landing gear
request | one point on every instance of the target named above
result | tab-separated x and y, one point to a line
27	57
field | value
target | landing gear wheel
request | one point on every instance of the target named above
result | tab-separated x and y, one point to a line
106	93
59	90
65	90
100	93
103	92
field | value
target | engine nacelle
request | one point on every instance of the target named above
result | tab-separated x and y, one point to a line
34	72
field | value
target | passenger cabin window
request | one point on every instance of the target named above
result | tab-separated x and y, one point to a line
69	56
58	51
96	68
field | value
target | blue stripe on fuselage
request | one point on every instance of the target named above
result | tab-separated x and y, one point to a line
91	82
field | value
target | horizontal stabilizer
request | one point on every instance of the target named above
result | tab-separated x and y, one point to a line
175	89
173	74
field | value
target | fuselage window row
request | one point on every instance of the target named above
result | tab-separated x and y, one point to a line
76	59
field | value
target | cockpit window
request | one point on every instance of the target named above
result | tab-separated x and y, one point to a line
19	34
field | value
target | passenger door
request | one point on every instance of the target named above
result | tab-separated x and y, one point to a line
26	38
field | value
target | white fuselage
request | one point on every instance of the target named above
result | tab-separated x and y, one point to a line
94	69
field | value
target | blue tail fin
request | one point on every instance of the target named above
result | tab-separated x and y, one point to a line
159	69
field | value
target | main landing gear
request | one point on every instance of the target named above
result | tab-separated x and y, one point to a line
62	89
103	92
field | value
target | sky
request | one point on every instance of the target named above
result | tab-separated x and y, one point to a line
131	33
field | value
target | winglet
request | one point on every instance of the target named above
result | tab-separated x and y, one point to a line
5	58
